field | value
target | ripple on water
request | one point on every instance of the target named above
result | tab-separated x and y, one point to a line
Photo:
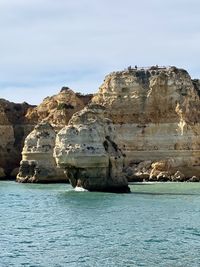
52	225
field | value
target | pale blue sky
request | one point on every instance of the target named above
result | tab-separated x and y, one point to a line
46	44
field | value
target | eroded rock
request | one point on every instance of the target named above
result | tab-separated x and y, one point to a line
18	120
153	117
138	172
87	150
156	114
58	109
38	164
178	177
14	127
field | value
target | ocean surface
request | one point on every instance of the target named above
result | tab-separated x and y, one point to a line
52	225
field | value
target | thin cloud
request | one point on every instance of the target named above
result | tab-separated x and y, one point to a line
46	43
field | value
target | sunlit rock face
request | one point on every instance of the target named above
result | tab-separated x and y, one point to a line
156	114
86	149
18	120
38	164
14	127
58	109
152	115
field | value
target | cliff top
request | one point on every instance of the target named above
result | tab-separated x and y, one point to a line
59	108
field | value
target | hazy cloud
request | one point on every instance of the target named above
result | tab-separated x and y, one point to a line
46	43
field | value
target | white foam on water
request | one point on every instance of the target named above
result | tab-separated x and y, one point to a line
80	189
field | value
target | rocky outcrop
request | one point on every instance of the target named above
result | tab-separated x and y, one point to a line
58	109
14	127
18	120
38	164
143	124
156	113
86	149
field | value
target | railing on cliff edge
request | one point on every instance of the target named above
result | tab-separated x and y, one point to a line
156	67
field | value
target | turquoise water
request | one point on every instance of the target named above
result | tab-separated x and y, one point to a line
52	225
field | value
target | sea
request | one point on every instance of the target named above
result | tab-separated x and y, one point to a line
44	225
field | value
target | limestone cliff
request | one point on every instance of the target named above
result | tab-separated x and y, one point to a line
18	120
38	164
13	129
156	113
58	109
86	149
142	124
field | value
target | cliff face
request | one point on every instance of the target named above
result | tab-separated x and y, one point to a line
38	164
156	113
18	120
13	129
142	124
58	109
86	149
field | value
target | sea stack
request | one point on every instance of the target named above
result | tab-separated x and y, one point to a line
87	150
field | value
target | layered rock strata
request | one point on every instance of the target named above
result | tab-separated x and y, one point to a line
38	164
156	113
58	109
18	120
14	127
143	124
86	149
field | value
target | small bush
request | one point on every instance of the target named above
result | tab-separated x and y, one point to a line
64	106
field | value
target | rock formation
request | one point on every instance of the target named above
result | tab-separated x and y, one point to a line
86	149
58	109
14	127
156	113
143	124
38	164
18	120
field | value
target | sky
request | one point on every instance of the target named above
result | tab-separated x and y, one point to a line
47	44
